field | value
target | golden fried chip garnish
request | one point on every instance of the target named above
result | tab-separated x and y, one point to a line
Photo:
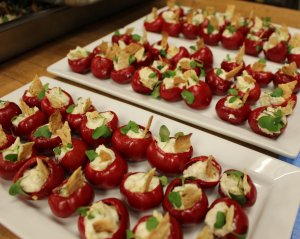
205	233
258	66
146	130
93	115
139	54
240	55
164	39
245	96
178	80
36	86
214	22
42	168
25	151
189	16
3	138
289	69
273	40
148	179
112	52
64	133
123	60
144	36
246	185
295	40
289	108
87	104
132	48
209	169
209	10
190	196
190	74
258	23
103	47
229	217
230	10
200	43
104	156
103	225
235	20
233	72
183	143
26	110
154	12
162	231
129	30
249	79
288	88
177	15
75	181
185	64
55	122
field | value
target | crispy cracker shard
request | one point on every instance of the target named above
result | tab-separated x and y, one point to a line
288	109
190	196
183	143
55	122
209	170
240	56
41	167
36	86
288	88
164	40
258	66
289	69
26	110
75	182
25	151
246	185
104	156
205	233
148	179
3	138
103	225
233	72
295	40
146	130
162	231
64	133
200	43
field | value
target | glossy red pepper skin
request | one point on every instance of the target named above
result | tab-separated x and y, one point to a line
10	139
294	57
31	101
49	109
240	217
277	53
173	29
123	217
253	123
56	176
146	62
187	216
81	65
263	78
167	163
228	66
205	56
234	42
172	94
154	26
9	169
141	201
225	113
101	67
76	157
10	110
110	177
264	33
281	78
182	53
126	38
202	96
253	48
86	133
26	126
217	85
190	31
133	149
209	39
66	206
123	76
250	196
175	228
254	94
155	52
75	120
202	183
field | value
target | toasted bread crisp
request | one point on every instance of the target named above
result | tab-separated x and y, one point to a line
26	110
273	40
258	66
103	225
230	10
209	170
25	151
206	233
190	196
246	185
229	217
295	40
249	79
162	231
104	156
178	80
235	20
112	52
123	60
183	143
146	130
87	104
185	65
133	48
245	96
55	122
103	47
36	86
74	182
289	108
200	43
144	38
164	40
209	11
189	74
93	115
129	30
148	179
214	22
3	138
154	12
289	69
240	56
64	134
42	168
189	16
288	88
233	72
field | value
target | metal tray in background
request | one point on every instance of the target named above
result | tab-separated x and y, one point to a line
30	31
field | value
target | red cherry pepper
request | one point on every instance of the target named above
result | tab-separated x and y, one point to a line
182	53
187	216
110	177
205	56
294	58
126	38
217	85
167	163
230	65
146	61
233	42
9	111
249	198
173	29
31	101
233	116
87	133
202	182
281	78
123	218
81	65
27	125
254	93
253	47
175	228
277	53
190	31
141	201
123	76
55	177
155	52
75	120
263	78
101	67
211	39
155	25
172	94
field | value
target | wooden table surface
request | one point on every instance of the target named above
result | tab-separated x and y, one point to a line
21	69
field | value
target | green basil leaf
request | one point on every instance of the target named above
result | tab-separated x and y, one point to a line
117	33
277	92
175	199
151	223
16	189
163	53
83	210
235	173
193	48
232	92
102	131
233	99
57	150
70	108
228	58
203	73
183	179
271	123
258	47
164	133
131	59
163	180
289	48
90	216
262	60
42	93
220	220
155	93
266	21
169	74
240	199
193	64
129	234
188	96
219	71
130	126
210	28
91	154
159	67
11	157
43	131
230	28
178	134
69	145
136	37
152	75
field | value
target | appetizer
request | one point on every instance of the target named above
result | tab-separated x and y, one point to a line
132	140
204	170
106	167
97	127
294	49
259	72
238	186
107	218
79	59
127	37
153	22
6	140
36	178
210	31
262	28
157	226
191	23
142	191
202	54
170	154
8	111
70	195
13	157
229	64
253	44
231	38
171	22
186	201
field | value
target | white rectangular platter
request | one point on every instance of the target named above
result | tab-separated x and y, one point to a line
272	216
286	145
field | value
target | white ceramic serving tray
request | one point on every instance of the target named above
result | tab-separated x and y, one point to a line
272	216
286	145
